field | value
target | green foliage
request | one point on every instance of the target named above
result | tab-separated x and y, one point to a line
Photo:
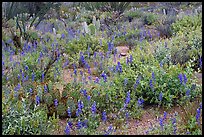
19	119
134	14
150	18
164	25
108	6
187	24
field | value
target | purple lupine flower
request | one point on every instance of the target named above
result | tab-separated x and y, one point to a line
104	117
125	81
140	102
153	76
119	67
161	123
188	133
188	92
82	59
174	125
103	75
37	100
70	124
109	46
84	92
31	91
126	115
80	105
137	83
26	78
198	116
96	80
127	100
85	123
43	76
184	78
180	77
88	98
45	88
165	114
90	78
79	124
78	111
69	112
161	64
110	128
26	67
131	59
89	70
17	87
67	130
22	76
150	36
151	84
19	77
200	62
75	71
160	96
56	102
200	106
127	61
62	36
93	108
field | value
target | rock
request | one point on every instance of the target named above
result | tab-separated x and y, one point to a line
123	54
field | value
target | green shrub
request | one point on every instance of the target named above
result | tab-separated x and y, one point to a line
164	25
19	119
150	18
134	14
166	80
187	24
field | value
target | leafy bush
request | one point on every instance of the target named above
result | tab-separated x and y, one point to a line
187	24
164	25
19	119
150	18
166	80
134	14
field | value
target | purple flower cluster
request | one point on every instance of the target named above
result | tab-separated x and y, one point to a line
79	125
127	100
183	79
140	102
137	83
56	102
119	67
69	112
93	108
104	76
104	117
198	114
161	123
67	130
151	84
188	92
37	100
174	125
110	129
160	96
